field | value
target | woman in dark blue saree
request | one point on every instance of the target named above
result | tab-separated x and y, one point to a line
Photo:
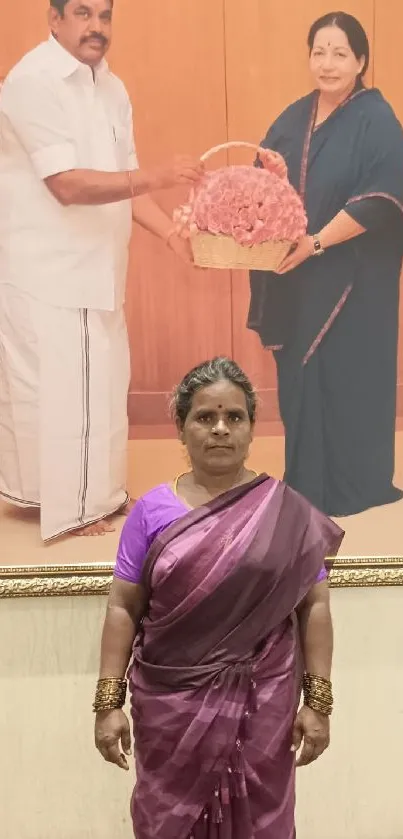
331	317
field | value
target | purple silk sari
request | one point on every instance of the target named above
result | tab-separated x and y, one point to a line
214	680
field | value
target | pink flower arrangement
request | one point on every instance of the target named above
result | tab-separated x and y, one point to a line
251	205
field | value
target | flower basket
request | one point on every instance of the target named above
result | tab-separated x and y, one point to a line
242	217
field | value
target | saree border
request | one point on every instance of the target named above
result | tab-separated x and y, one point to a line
302	190
89	579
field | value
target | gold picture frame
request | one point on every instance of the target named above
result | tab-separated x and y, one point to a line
88	579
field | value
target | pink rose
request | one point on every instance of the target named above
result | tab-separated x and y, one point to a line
252	205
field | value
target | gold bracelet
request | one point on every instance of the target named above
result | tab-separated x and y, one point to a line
110	694
318	694
131	185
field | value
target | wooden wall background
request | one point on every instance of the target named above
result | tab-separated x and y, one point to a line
198	74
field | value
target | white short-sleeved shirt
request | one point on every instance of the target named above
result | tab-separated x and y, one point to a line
55	117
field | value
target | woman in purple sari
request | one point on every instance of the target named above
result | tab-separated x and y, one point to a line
220	600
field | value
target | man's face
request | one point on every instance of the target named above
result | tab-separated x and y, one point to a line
84	30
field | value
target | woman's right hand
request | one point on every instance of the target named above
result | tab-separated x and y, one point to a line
112	737
183	170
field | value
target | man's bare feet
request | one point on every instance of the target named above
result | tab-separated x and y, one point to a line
98	528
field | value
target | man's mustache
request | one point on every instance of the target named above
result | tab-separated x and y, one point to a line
95	36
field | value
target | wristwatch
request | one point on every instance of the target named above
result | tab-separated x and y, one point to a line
317	247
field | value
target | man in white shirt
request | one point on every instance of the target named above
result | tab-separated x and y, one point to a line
69	187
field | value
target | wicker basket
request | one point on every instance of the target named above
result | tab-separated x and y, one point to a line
219	251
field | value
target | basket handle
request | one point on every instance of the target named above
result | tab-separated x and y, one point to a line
182	214
234	144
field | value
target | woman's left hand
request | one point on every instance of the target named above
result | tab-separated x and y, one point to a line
312	732
297	256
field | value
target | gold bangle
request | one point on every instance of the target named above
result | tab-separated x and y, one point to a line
110	694
318	694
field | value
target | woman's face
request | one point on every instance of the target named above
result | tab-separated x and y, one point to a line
333	63
218	431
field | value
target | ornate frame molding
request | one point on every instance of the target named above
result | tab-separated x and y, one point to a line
55	580
95	578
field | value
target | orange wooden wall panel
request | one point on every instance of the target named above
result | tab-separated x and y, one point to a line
22	25
267	69
171	57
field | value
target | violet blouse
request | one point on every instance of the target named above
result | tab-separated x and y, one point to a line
152	513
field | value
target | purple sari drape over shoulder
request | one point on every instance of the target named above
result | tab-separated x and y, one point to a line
214	677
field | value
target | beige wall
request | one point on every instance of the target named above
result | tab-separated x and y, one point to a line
54	786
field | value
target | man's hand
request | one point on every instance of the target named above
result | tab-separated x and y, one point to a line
182	247
183	170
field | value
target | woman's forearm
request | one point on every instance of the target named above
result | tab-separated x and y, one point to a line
117	641
125	609
340	229
316	631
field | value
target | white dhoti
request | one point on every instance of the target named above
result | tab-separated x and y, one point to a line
64	379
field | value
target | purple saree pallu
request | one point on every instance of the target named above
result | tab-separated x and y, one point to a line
214	679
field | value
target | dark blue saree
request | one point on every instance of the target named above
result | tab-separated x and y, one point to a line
336	316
